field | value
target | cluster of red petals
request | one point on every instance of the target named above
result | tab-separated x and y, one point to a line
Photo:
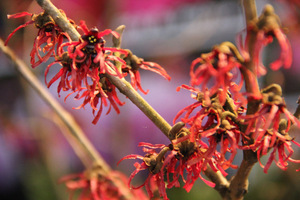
216	72
264	38
135	63
93	186
266	29
213	129
100	96
268	134
153	179
151	66
84	63
167	169
49	36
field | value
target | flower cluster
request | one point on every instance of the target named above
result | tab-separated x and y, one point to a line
222	120
134	63
49	36
266	28
218	71
84	66
181	160
93	185
218	124
85	63
269	130
213	125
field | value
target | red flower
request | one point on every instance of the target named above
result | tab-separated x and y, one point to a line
152	161
95	186
49	36
202	100
64	73
83	68
263	39
95	95
135	63
217	71
209	121
90	56
283	148
184	161
266	28
269	130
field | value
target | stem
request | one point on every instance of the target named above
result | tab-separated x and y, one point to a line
239	183
222	184
249	73
250	10
76	132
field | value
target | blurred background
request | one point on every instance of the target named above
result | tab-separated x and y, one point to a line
34	155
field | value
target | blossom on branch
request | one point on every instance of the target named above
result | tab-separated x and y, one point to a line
134	63
269	130
89	55
267	28
212	128
95	186
152	161
49	36
99	94
217	71
166	165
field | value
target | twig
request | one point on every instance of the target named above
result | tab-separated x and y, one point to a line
222	184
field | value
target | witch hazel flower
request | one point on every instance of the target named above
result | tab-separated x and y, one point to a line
134	63
217	70
191	158
90	56
269	25
49	36
153	162
97	94
201	107
267	28
282	146
168	165
214	129
269	130
64	74
93	185
104	96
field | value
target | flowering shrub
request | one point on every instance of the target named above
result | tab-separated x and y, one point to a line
206	135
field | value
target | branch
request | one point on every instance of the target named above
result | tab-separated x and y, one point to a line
222	184
239	183
121	84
